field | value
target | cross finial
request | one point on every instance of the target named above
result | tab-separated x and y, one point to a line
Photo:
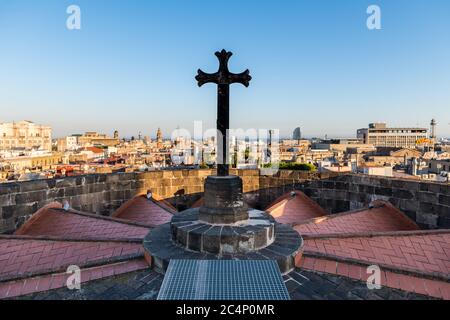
223	78
223	75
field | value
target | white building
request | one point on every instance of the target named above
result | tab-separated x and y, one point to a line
68	144
25	135
379	135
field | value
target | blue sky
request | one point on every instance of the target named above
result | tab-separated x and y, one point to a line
314	64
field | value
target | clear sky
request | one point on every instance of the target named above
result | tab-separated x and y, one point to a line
314	64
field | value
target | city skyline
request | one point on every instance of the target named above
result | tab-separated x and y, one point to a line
152	133
131	67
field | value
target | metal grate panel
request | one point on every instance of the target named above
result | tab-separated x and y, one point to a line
223	280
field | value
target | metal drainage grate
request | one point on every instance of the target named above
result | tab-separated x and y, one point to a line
223	280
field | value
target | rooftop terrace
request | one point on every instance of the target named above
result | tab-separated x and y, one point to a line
411	250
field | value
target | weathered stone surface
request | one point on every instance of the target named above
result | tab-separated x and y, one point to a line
160	245
224	202
334	192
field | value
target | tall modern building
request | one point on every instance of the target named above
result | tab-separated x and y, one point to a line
297	134
379	135
25	134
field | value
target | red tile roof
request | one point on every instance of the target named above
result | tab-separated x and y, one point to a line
23	257
95	150
70	224
407	282
383	217
414	251
295	207
140	209
344	244
11	289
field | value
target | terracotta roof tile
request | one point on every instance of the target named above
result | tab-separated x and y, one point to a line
67	224
420	251
383	217
295	207
407	282
20	257
43	283
140	209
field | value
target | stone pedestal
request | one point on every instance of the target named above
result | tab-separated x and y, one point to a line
224	202
224	228
187	238
242	237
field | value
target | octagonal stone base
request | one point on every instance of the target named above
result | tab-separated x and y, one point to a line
253	234
172	241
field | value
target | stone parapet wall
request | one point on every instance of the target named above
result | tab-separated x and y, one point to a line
426	203
103	193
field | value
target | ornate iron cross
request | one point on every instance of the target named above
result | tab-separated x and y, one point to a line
223	78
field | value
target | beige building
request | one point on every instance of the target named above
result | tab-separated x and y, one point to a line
438	166
97	139
25	134
394	157
377	170
379	135
38	162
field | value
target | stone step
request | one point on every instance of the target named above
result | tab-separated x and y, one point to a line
286	247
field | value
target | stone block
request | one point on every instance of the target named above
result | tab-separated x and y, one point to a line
445	200
7	212
24	198
73	191
51	183
366	189
383	191
444	223
8	199
357	197
403	194
427	197
34	185
66	183
442	210
428	219
8	188
408	205
112	178
426	207
434	187
328	184
228	241
445	189
127	176
167	174
411	214
25	209
211	240
411	185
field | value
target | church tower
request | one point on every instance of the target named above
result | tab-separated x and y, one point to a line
159	139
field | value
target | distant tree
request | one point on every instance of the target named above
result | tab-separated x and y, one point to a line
293	166
204	166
